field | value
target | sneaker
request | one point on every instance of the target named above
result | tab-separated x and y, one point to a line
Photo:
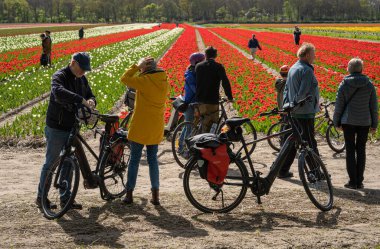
38	202
285	175
350	186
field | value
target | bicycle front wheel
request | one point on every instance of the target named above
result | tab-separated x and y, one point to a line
212	198
180	151
60	187
335	139
316	180
113	171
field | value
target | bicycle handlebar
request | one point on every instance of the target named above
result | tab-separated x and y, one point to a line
272	112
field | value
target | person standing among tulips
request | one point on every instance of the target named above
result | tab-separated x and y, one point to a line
297	35
48	44
253	45
356	111
280	86
209	75
301	82
147	123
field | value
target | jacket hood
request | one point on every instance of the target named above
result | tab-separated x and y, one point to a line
356	80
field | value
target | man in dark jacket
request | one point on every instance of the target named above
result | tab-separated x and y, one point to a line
48	45
297	35
209	75
356	111
253	45
81	33
69	86
44	56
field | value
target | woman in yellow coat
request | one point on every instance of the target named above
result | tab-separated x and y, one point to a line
147	123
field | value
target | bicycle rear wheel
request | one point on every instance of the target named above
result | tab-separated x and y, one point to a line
210	198
275	142
335	139
315	179
113	171
60	187
180	151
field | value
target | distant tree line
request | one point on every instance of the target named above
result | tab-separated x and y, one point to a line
115	11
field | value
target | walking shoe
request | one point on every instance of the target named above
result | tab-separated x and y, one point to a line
285	175
128	199
350	186
74	205
39	203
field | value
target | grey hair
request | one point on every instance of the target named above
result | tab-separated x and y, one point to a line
305	49
355	65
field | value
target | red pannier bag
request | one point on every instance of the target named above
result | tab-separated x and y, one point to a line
215	167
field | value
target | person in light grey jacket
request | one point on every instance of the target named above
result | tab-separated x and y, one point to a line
301	82
356	111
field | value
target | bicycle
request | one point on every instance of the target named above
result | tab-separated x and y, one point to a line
62	180
208	197
334	137
195	128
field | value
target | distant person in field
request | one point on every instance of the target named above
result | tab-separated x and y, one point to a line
69	86
81	33
147	124
297	35
301	82
44	57
356	111
253	45
209	75
49	44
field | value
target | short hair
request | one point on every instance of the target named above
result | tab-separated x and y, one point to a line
355	65
42	35
305	49
211	52
47	31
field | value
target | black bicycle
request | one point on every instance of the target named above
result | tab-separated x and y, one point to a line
62	180
187	129
323	125
209	197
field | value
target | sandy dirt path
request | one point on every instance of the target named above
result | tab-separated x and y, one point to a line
286	219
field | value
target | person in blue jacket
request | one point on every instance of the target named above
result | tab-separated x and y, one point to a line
190	90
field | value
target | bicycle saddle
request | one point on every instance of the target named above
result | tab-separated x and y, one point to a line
236	122
112	118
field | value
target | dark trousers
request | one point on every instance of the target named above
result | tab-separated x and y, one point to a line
306	127
355	138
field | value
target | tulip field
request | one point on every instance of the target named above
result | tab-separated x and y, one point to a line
115	48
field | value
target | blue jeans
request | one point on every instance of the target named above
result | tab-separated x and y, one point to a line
189	116
55	140
133	167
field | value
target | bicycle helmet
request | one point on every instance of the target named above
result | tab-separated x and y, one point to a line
284	70
196	57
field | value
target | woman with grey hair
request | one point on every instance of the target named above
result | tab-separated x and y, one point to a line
356	112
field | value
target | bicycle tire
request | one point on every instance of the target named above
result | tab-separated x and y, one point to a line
271	141
318	174
177	133
117	168
333	132
191	169
46	188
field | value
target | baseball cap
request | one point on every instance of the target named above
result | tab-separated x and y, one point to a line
83	60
